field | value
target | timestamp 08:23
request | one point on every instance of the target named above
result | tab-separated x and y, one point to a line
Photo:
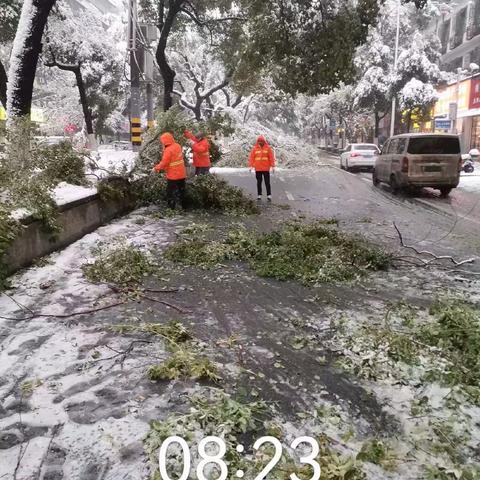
217	459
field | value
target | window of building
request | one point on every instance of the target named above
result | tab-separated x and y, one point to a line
475	140
476	19
443	34
460	25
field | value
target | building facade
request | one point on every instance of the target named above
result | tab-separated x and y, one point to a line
458	29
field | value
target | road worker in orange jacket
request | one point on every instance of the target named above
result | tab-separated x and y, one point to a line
262	159
173	164
201	152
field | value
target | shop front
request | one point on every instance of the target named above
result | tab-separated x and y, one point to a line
475	111
466	94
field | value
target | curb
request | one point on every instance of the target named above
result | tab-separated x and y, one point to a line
76	219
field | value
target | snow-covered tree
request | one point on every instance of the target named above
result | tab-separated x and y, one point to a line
85	46
26	50
202	90
418	57
9	16
417	98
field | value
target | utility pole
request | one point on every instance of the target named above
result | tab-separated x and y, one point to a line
150	114
135	120
394	99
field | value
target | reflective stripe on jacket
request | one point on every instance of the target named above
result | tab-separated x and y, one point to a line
201	150
172	160
262	159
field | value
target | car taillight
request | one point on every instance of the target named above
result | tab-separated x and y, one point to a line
404	165
354	154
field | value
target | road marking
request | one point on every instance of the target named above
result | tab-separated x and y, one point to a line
289	196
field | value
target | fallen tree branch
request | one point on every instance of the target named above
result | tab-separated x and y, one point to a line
162	302
65	315
17	303
120	355
430	254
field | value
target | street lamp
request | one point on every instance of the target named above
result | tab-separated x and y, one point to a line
394	99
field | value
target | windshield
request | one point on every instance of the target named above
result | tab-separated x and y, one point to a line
434	145
365	147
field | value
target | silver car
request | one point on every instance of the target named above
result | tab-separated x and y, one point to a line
359	156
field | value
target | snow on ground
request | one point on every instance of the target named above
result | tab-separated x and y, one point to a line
49	353
110	161
66	193
470	181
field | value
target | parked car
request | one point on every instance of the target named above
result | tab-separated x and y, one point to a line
122	145
417	160
51	140
359	156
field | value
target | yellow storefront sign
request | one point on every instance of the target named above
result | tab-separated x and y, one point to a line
448	95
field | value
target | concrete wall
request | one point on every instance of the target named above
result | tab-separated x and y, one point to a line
76	219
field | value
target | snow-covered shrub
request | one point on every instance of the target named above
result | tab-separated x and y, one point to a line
28	174
61	163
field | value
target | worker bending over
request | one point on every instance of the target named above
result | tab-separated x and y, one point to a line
173	163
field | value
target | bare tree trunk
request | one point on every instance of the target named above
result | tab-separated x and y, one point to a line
86	109
409	121
3	85
27	47
376	127
168	74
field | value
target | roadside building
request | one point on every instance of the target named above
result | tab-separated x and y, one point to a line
466	95
458	28
458	107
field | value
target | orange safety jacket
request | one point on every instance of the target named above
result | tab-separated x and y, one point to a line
172	160
262	159
201	150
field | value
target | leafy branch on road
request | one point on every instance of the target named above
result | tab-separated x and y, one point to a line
310	253
430	358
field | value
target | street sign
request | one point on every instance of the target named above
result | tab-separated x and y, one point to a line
452	111
442	124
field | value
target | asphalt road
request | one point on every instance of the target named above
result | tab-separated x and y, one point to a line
75	401
446	226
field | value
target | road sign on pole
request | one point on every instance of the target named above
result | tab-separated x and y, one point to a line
452	111
443	124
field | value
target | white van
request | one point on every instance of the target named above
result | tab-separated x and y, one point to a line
418	160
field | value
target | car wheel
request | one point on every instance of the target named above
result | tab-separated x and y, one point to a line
445	191
375	180
394	185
